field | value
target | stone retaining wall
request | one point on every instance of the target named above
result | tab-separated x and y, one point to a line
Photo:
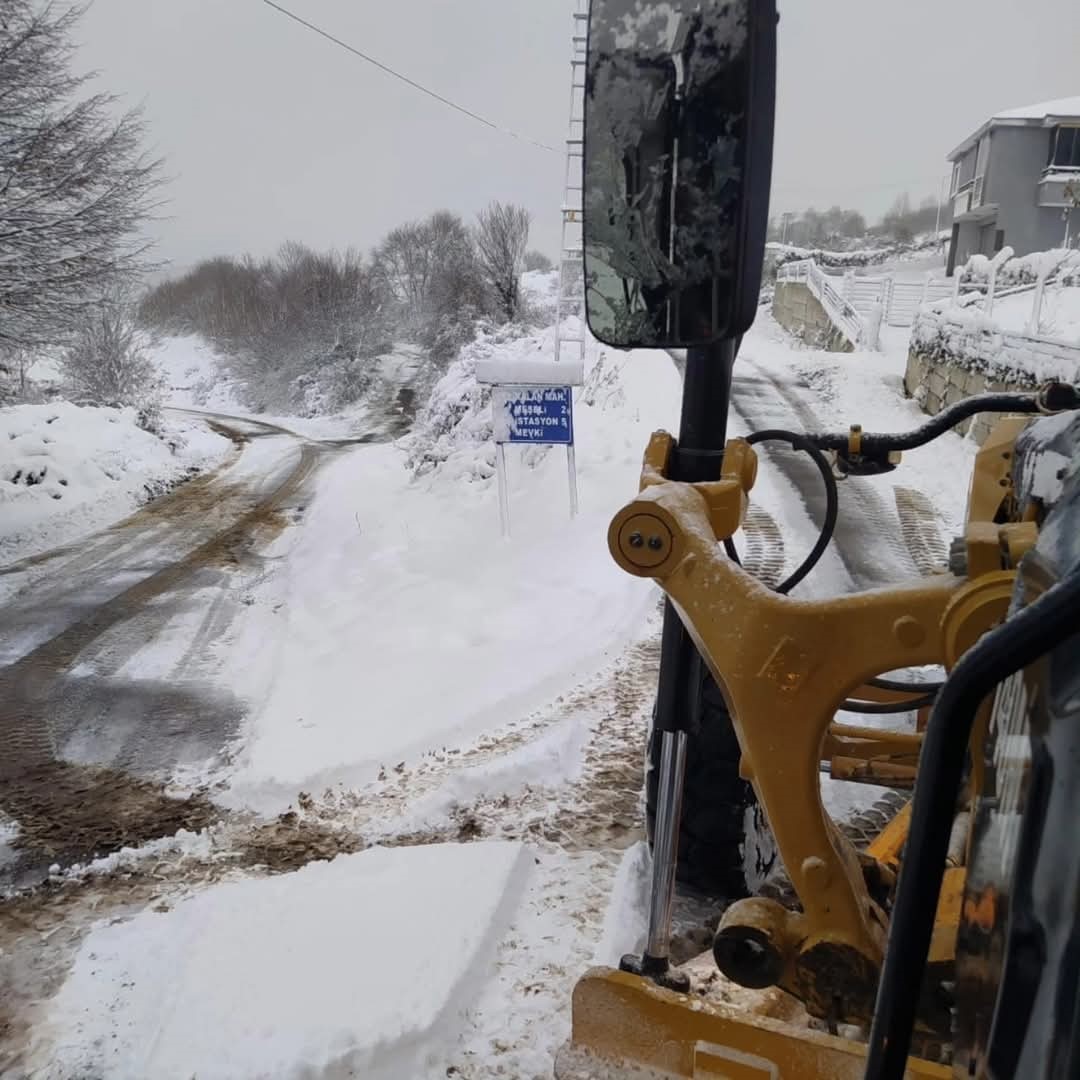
951	358
936	384
799	311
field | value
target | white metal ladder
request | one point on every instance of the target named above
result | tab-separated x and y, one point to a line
571	295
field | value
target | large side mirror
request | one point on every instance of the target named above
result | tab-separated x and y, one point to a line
679	104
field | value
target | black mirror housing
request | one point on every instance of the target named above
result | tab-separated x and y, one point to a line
679	108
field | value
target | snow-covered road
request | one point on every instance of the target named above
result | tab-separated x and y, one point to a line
109	646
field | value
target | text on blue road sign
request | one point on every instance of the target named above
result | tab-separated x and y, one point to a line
533	414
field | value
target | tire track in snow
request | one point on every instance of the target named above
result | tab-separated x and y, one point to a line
867	528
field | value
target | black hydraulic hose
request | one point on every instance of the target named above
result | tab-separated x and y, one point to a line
832	500
1003	651
901	687
946	419
887	708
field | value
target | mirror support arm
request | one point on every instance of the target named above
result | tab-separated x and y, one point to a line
697	457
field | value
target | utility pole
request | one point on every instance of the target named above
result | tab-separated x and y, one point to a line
785	219
940	200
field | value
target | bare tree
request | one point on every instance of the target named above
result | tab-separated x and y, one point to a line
75	184
502	237
107	363
404	261
15	367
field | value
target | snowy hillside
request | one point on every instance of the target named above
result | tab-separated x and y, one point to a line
66	470
194	374
407	580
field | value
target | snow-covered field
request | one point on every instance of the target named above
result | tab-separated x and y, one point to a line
67	470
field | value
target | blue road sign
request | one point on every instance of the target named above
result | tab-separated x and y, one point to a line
534	414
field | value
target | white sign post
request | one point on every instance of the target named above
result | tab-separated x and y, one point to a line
536	414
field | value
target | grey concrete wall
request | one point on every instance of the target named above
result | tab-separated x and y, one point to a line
967	166
800	312
967	241
1017	159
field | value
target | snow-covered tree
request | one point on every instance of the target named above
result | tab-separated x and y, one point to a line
502	238
14	370
75	184
107	363
537	260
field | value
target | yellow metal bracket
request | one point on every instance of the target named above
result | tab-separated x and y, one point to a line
785	666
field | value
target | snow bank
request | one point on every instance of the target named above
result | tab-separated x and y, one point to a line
357	967
1061	264
542	371
408	623
553	759
540	289
626	921
779	254
968	338
67	470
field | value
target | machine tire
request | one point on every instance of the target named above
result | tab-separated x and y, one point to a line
725	846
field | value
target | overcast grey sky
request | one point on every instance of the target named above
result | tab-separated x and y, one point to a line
273	133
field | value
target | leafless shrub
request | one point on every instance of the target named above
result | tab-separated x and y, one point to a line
107	363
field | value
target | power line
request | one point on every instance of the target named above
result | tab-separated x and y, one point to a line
405	79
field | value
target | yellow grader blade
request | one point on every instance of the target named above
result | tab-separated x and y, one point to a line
627	1028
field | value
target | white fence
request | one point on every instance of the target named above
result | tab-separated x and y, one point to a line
899	299
843	313
858	303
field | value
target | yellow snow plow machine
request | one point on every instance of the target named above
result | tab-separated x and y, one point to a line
949	944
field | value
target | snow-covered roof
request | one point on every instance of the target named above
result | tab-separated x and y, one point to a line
1044	113
1060	107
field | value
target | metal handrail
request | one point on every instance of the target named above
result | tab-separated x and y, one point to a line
843	315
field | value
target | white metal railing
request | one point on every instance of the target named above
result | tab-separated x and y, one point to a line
969	196
899	299
841	312
853	301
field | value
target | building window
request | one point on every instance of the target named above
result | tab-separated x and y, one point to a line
1064	148
955	178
